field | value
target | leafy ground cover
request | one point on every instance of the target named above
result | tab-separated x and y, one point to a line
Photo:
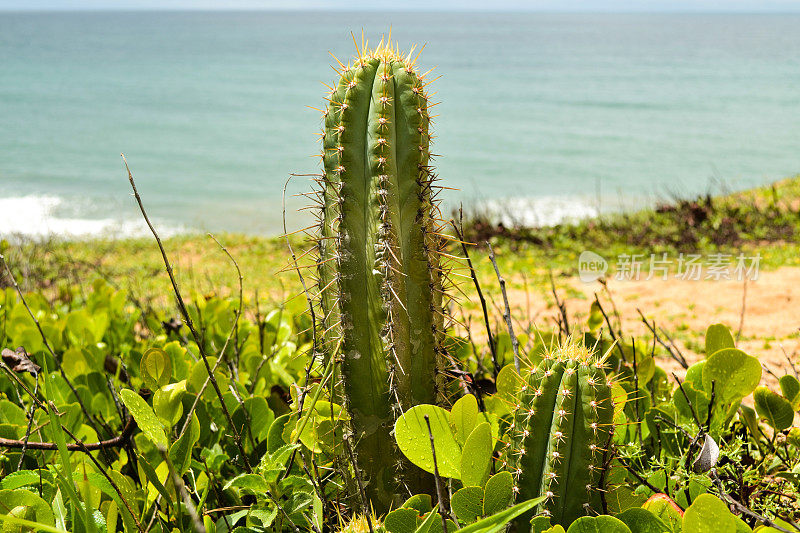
110	421
764	221
124	411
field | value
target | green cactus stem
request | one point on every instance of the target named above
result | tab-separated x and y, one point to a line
561	429
380	279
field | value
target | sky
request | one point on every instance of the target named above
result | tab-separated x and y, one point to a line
436	5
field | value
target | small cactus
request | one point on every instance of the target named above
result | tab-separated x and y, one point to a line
379	277
562	426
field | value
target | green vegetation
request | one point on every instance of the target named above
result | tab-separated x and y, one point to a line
361	404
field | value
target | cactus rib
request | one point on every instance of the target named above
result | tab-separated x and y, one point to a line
562	424
378	264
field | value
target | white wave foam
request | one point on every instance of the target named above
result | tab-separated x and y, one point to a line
37	216
541	211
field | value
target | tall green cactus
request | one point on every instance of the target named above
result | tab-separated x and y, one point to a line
562	426
380	280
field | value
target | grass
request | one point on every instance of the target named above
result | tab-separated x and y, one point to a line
763	220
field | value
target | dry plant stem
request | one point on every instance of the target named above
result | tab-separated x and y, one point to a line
700	431
744	309
302	280
285	514
436	477
604	283
791	363
181	488
507	312
216	486
188	319
743	509
226	509
117	441
309	302
672	350
17	288
79	445
562	307
31	412
197	399
315	482
608	456
222	356
361	491
110	443
688	401
302	396
636	392
711	405
103	471
674	346
641	479
610	328
492	347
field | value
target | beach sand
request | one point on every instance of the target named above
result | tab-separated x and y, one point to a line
769	321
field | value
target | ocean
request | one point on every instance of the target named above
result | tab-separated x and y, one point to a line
542	117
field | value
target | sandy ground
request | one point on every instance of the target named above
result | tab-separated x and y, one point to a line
769	324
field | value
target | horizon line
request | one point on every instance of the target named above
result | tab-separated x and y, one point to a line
467	10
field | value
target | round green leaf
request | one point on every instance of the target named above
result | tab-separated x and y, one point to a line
421	502
259	417
508	382
645	369
155	368
694	375
598	524
718	337
708	514
641	520
467	503
476	456
199	374
734	373
666	510
275	432
498	522
742	527
595	319
411	433
401	521
463	416
497	493
790	388
11	413
773	408
619	396
27	506
750	419
145	418
167	403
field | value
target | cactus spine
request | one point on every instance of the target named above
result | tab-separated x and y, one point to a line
562	426
379	274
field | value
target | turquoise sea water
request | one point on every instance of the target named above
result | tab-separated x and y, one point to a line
542	115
